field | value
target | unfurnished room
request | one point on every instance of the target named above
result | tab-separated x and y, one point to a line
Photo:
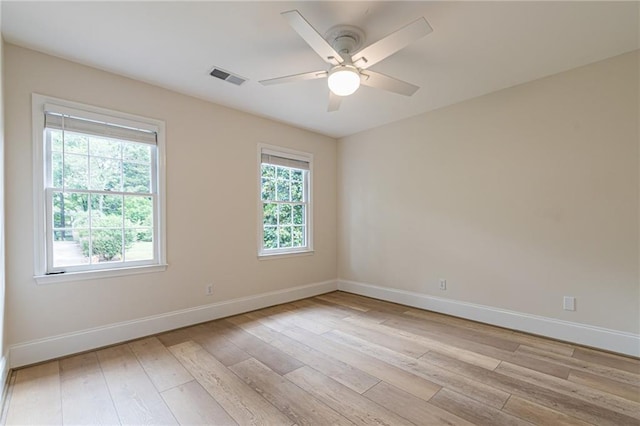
320	212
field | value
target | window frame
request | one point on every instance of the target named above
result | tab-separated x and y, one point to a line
293	155
41	192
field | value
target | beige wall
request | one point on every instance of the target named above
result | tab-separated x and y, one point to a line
517	198
211	204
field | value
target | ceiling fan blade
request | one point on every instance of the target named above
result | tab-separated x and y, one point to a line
334	102
392	43
312	37
384	82
296	77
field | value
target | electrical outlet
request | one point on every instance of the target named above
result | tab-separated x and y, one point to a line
208	290
443	284
569	303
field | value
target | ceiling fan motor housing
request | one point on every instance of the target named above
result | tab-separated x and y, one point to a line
345	39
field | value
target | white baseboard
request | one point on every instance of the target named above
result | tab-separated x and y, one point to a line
89	339
4	381
4	368
588	335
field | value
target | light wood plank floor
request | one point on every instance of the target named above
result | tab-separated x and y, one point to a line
332	359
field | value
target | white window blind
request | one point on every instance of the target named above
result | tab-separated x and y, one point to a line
67	119
284	162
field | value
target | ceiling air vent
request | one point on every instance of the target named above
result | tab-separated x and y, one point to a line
227	76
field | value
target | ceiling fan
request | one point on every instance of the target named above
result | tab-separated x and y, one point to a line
349	66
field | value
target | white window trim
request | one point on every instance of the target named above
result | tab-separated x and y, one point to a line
298	155
39	199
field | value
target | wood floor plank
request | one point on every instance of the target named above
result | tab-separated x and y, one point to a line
549	345
219	346
336	310
370	303
160	365
397	342
411	408
337	300
35	399
358	409
136	399
273	358
605	384
547	396
611	360
400	378
518	337
192	405
474	411
275	315
420	368
459	332
539	414
475	346
581	365
293	318
344	373
85	396
431	344
234	395
174	337
624	408
300	406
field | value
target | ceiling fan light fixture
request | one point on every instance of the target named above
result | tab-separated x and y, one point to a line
344	80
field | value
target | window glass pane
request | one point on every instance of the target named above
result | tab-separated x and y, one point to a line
283	173
76	143
75	171
68	252
269	210
105	174
296	191
283	188
298	215
284	214
284	236
105	148
137	177
138	152
268	171
296	175
56	140
138	211
69	210
106	245
106	211
70	222
298	236
270	239
138	244
268	190
56	169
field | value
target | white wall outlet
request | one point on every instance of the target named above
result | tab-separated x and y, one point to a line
569	303
208	290
443	284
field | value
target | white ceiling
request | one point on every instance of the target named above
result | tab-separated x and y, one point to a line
475	48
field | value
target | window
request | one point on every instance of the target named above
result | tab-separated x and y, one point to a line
99	189
285	201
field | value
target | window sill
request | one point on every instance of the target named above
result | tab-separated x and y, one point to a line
92	275
271	256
